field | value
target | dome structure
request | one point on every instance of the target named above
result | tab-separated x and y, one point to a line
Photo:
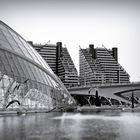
25	76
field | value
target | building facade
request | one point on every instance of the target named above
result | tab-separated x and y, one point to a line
60	61
99	65
25	77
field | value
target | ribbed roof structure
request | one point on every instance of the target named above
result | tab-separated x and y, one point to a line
25	76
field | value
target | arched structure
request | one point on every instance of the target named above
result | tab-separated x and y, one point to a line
118	94
25	76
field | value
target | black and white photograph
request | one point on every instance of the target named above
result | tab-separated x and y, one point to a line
69	69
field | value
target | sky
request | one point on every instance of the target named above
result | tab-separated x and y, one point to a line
113	23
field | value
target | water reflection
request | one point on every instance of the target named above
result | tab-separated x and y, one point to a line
79	127
71	126
108	126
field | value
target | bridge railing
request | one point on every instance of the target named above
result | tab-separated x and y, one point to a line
105	84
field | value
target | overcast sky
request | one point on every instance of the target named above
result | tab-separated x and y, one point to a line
114	23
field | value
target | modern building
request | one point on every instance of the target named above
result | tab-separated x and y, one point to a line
100	65
60	62
25	78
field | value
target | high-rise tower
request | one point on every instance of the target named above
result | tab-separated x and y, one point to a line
99	65
60	61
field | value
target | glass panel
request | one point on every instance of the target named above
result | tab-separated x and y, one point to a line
33	53
12	64
39	59
29	67
23	42
30	51
15	37
12	42
7	34
6	64
18	66
22	64
44	64
42	76
2	68
47	66
3	27
20	44
32	67
35	73
14	46
38	74
46	90
2	37
54	83
45	78
5	44
49	80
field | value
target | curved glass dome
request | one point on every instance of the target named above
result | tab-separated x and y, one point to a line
25	76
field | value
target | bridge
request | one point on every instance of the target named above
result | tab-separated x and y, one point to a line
109	93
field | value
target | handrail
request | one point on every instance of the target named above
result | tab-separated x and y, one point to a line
105	84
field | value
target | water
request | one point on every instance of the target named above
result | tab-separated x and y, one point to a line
71	126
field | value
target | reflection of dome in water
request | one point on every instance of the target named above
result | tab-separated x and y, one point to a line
25	76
